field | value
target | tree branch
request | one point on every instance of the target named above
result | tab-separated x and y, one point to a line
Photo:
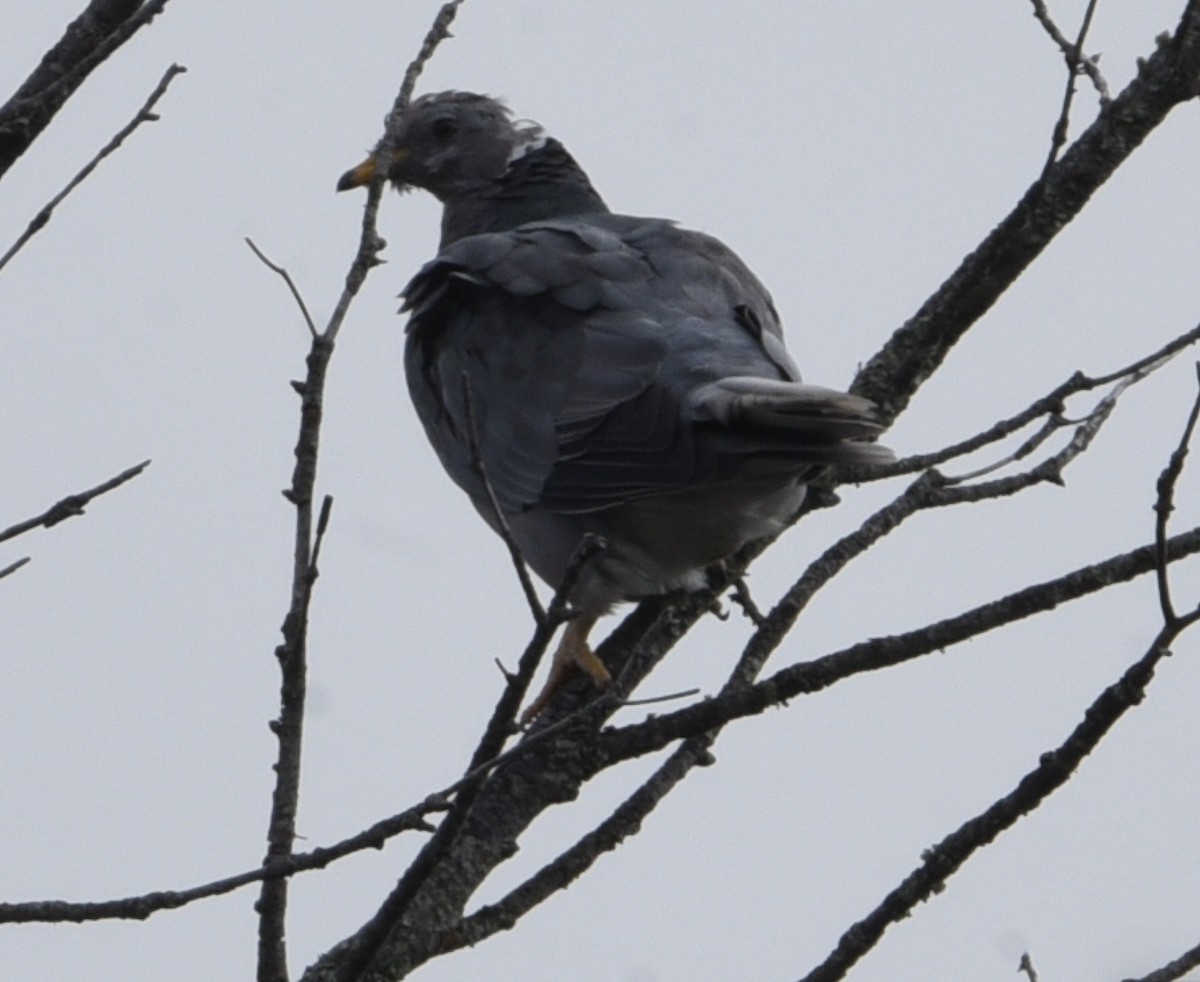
144	115
1073	53
13	567
808	677
429	901
1052	405
1054	769
291	285
502	526
1175	969
141	907
1075	59
72	504
560	873
95	34
1166	79
1164	504
292	654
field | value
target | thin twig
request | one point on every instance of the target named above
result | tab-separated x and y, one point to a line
370	244
288	727
741	596
502	725
438	32
287	278
559	873
144	115
1173	970
1074	56
141	907
292	653
806	678
1079	63
1085	430
654	700
502	526
1166	78
930	490
626	820
1054	769
72	504
13	567
1051	405
87	42
1164	504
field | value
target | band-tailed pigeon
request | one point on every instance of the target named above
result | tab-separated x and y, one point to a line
613	375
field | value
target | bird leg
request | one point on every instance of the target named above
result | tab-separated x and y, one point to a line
573	652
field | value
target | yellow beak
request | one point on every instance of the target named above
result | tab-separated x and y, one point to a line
364	173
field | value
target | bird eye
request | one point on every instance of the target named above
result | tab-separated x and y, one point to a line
444	128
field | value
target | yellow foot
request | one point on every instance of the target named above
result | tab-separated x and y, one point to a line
572	652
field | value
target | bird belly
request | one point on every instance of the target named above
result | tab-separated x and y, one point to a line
657	544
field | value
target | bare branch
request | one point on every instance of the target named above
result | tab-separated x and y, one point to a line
13	567
1173	970
930	490
502	526
1073	54
502	725
94	35
72	504
486	759
141	907
628	817
1054	769
1166	79
370	243
438	32
1165	504
430	898
292	655
741	596
614	745
1052	405
272	962
144	115
560	873
1075	59
287	278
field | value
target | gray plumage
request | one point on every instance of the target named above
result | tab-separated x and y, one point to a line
626	377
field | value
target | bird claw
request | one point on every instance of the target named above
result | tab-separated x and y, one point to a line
573	652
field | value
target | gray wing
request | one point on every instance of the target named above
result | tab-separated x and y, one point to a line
607	359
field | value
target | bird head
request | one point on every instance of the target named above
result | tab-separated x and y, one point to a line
451	143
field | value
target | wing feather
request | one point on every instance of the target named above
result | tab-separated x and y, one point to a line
610	358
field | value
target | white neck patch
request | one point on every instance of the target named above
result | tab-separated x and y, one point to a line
530	137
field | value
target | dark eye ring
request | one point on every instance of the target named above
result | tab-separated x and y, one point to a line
444	128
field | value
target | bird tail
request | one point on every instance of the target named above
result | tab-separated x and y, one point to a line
834	427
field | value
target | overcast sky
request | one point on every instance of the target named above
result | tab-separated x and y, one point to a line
852	153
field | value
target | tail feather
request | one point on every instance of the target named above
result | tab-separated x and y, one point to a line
836	427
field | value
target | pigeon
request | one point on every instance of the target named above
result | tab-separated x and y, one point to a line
580	372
